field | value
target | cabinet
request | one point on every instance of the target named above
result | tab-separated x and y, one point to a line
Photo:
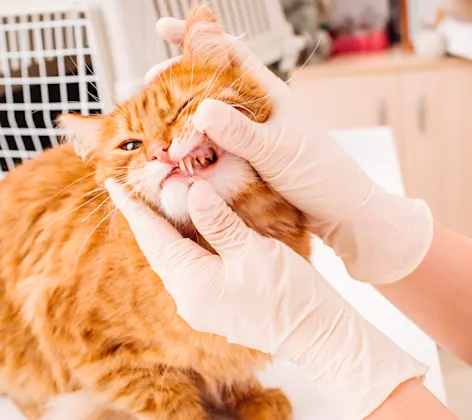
426	102
437	129
346	102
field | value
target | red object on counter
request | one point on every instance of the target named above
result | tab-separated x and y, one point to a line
373	41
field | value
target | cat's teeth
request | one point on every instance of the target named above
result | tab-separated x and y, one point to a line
188	165
182	166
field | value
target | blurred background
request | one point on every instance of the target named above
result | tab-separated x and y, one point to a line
353	63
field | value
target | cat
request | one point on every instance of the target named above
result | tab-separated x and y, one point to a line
87	329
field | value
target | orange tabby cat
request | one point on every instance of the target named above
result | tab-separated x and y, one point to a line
87	330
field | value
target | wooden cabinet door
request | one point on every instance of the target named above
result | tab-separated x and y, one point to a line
437	142
349	101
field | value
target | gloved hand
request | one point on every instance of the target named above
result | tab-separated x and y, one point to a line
259	293
381	237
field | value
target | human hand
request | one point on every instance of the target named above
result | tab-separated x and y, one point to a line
259	293
381	237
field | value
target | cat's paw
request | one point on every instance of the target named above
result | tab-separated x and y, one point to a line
269	404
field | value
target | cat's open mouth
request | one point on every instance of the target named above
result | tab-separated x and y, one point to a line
198	160
201	160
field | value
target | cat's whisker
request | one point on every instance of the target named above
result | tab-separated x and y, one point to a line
78	208
89	158
191	86
171	69
182	134
98	191
239	78
213	80
133	191
120	112
109	92
88	193
252	101
98	188
236	105
116	208
306	62
85	177
88	237
163	84
72	184
167	85
96	209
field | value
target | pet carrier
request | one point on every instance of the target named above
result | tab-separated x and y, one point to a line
82	56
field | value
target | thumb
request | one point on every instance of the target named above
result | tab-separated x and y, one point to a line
218	224
162	245
231	129
171	29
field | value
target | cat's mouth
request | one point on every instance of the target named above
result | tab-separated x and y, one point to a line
200	159
189	164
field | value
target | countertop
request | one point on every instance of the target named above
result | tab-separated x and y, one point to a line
374	149
392	60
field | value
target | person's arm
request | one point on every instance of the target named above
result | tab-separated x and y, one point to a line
437	296
412	401
259	293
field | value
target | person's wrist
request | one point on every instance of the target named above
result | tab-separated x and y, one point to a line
347	359
383	239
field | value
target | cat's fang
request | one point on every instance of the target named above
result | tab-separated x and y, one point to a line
188	164
182	166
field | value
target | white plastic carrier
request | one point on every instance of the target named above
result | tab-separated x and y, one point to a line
83	56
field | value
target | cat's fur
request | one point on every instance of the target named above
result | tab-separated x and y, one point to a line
86	327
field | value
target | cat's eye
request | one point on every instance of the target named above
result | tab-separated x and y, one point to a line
131	145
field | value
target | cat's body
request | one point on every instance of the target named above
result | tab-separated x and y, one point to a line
82	312
70	322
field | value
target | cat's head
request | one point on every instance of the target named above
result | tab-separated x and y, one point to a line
149	144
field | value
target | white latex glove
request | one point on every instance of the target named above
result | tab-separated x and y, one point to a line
259	293
381	237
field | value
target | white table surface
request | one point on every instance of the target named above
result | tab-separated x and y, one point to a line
374	149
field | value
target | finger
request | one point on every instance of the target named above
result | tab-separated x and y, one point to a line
163	246
151	230
218	224
171	29
159	68
231	130
246	58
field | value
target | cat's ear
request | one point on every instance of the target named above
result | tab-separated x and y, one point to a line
82	132
204	38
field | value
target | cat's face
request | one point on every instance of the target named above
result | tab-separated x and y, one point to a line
149	143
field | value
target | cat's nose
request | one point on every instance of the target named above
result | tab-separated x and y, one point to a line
160	153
